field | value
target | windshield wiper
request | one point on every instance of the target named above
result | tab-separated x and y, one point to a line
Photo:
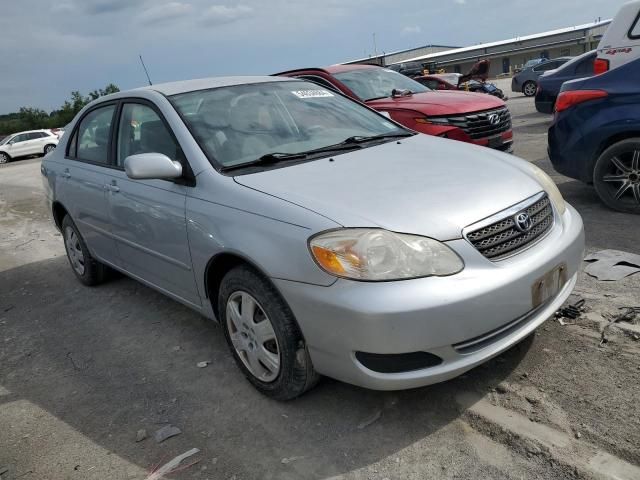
363	138
266	159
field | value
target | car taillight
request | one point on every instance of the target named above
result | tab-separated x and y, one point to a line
600	65
573	97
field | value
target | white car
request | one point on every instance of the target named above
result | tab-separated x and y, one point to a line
25	144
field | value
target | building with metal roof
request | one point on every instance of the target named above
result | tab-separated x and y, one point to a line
505	55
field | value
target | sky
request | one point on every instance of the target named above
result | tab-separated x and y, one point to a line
50	47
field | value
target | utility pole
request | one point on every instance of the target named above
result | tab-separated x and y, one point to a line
375	46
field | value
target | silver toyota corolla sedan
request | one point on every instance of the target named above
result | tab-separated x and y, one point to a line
324	237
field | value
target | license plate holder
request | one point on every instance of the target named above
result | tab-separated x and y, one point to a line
496	141
548	286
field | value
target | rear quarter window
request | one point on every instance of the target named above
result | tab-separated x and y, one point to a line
634	31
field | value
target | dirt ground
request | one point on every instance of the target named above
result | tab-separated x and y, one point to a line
82	370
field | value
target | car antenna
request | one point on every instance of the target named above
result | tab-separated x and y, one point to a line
145	70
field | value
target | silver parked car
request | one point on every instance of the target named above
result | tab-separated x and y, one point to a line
324	237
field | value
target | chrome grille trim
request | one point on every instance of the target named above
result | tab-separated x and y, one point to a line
477	124
497	237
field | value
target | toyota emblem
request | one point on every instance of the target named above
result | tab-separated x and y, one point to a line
523	221
494	119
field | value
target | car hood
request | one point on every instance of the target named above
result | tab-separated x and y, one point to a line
422	185
443	102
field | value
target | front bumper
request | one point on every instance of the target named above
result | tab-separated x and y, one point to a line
433	314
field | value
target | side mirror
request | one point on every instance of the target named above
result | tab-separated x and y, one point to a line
147	166
12	142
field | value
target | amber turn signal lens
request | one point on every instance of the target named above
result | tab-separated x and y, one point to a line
328	260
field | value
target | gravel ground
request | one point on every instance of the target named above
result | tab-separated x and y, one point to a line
82	370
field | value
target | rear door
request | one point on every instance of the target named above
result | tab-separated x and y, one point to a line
81	180
148	216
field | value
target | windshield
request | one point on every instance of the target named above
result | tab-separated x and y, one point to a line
6	139
373	83
239	124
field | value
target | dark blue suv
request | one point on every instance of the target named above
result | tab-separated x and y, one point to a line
595	135
550	82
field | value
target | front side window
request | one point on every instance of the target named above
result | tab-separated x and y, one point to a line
546	66
93	135
242	123
20	138
142	131
374	83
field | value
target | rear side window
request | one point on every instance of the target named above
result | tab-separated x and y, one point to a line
585	67
319	80
634	31
546	66
142	130
93	135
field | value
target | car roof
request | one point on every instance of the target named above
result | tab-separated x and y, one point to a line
184	86
331	69
30	131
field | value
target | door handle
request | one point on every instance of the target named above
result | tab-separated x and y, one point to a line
113	187
66	173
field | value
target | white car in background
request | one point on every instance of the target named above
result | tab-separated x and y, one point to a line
26	144
620	44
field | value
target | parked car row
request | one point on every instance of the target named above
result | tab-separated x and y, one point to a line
305	213
595	135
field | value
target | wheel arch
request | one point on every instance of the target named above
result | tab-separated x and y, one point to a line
217	267
59	212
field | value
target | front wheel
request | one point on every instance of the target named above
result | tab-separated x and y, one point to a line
4	158
616	176
263	336
529	89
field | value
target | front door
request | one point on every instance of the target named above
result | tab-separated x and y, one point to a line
148	216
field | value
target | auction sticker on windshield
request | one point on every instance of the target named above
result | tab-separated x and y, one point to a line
312	93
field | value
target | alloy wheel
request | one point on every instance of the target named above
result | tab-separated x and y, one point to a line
4	158
623	178
74	250
49	149
530	89
253	336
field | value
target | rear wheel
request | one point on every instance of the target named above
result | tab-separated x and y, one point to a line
86	268
263	336
616	176
49	148
529	88
4	158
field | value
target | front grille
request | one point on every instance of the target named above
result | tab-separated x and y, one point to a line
478	125
503	238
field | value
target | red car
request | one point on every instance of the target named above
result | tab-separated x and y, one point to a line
468	117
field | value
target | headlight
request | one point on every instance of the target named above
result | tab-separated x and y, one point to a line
550	187
378	255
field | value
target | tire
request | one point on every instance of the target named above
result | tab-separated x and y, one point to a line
529	88
49	148
616	176
4	158
255	346
86	268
